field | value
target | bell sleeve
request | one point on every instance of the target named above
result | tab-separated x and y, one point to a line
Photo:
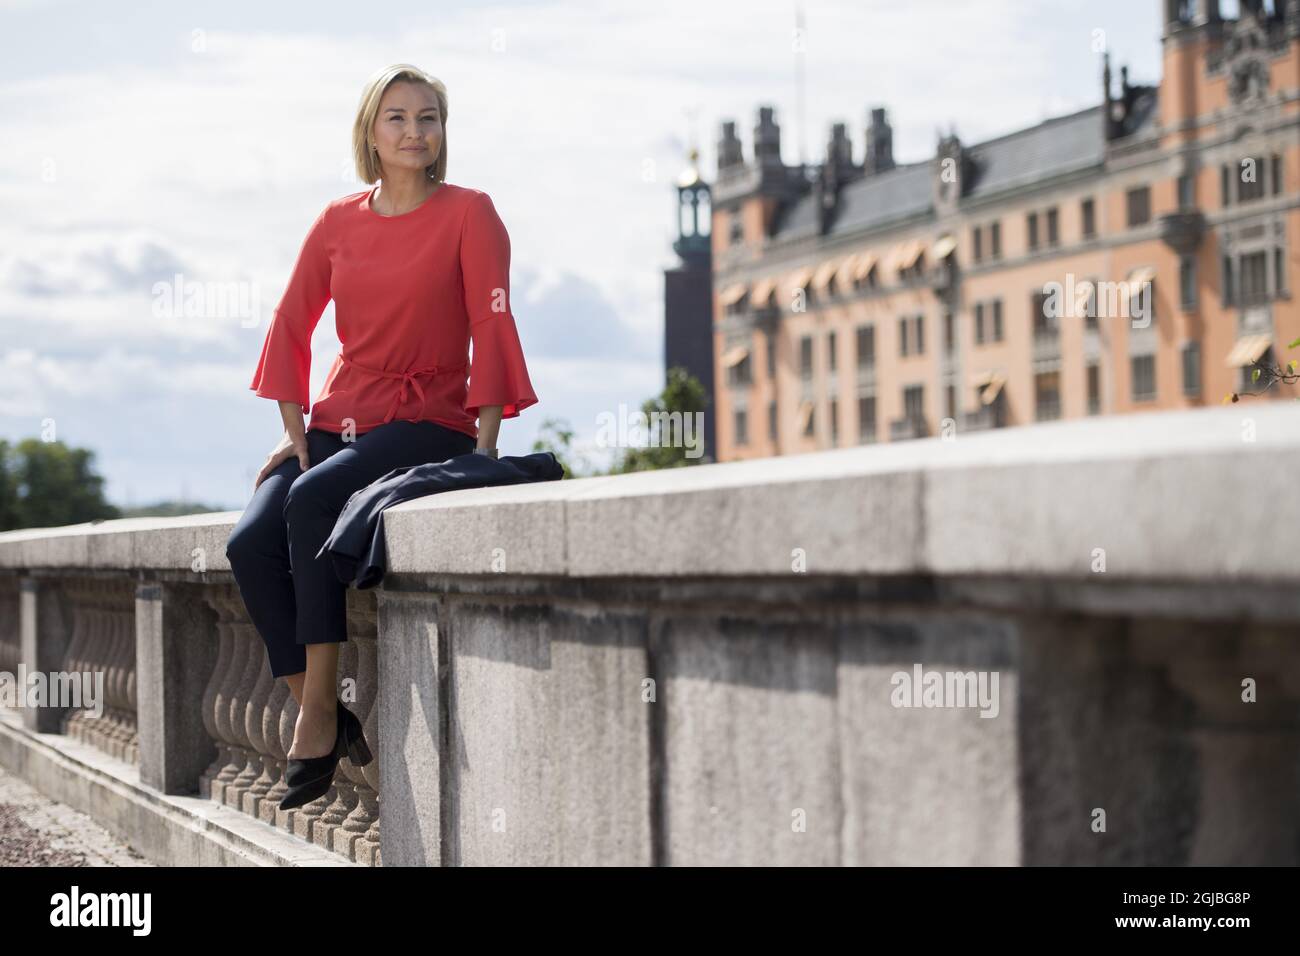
284	369
497	373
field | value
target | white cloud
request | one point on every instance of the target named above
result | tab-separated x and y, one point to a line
131	159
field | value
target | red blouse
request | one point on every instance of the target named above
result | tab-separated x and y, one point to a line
411	292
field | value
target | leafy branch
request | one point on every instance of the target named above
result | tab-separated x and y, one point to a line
1270	376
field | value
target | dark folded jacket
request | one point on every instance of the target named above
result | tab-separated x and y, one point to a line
356	545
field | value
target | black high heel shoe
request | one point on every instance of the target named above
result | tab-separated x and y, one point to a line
311	778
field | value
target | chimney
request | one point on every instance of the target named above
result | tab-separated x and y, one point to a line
730	154
880	143
767	139
839	151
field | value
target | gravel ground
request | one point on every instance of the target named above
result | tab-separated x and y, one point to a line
38	831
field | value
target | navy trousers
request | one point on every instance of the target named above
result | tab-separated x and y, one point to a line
292	597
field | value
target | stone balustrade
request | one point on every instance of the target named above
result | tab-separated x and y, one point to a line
702	665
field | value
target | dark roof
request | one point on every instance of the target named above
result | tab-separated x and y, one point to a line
1062	145
1052	148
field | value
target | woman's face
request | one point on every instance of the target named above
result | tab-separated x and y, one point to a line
408	127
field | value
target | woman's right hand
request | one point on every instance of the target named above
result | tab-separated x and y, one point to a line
289	447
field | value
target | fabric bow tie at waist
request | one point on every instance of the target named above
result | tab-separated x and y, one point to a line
408	379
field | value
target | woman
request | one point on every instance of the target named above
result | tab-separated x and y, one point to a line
418	269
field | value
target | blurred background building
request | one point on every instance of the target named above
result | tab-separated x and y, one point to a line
861	301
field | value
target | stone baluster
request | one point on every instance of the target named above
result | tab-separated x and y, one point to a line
263	759
344	791
131	701
219	599
230	612
77	660
241	701
104	643
274	723
118	734
11	651
358	836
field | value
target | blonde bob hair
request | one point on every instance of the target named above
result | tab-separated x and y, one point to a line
363	157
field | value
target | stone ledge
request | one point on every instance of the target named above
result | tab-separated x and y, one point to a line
169	830
1168	495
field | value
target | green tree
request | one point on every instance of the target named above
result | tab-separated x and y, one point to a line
683	396
47	484
556	436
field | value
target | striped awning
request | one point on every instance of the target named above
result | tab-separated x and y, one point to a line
1142	274
1248	350
734	355
943	246
863	265
822	277
732	294
761	292
844	275
910	253
992	389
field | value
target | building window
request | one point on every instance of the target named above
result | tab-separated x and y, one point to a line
1094	389
1229	287
830	351
997	320
949	334
1254	278
976	244
771	420
1192	368
951	402
1031	227
1090	307
771	356
1276	177
742	434
737	230
1225	185
866	346
1047	396
1187	281
1143	373
911	335
995	240
1044	324
1250	179
835	422
1279	270
867	418
810	427
979	323
1186	192
1142	302
1053	227
914	403
741	373
1088	212
1139	206
806	357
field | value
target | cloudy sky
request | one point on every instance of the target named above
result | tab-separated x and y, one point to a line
142	141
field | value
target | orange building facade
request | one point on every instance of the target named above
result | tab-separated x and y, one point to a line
1136	255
